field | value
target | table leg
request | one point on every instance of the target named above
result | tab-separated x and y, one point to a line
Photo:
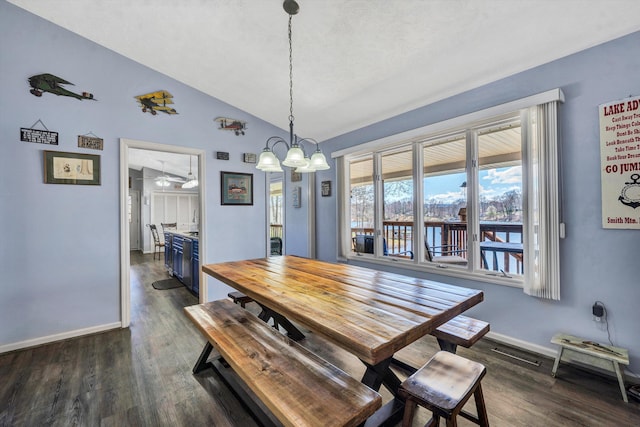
375	376
381	374
292	332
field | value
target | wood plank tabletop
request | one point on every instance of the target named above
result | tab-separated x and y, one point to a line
370	313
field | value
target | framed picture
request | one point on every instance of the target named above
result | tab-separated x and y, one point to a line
71	168
236	188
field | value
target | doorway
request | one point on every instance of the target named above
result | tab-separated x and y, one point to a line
275	213
125	226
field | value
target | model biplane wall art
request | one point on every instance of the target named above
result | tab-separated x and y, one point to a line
156	101
234	125
41	83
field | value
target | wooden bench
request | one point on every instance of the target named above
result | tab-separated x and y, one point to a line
298	387
461	330
593	354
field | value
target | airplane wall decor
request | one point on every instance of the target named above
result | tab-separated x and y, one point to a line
156	101
234	125
41	83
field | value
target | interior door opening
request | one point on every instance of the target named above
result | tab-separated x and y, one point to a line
153	182
276	210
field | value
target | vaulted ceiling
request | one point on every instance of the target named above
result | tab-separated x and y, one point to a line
356	62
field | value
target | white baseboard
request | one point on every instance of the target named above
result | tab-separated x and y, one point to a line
544	351
524	345
58	337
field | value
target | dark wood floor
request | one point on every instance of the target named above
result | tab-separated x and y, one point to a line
141	376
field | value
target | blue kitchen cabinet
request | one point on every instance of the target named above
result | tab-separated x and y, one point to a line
195	267
168	252
177	255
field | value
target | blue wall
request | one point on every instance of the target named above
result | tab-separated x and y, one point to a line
60	251
596	263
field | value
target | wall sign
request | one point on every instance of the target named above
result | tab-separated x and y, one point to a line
222	155
249	157
296	197
620	163
92	142
39	136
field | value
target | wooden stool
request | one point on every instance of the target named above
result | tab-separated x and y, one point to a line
443	386
591	353
239	298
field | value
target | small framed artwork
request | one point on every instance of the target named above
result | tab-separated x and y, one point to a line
71	168
326	188
236	188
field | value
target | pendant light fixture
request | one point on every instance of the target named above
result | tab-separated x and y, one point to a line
192	182
296	157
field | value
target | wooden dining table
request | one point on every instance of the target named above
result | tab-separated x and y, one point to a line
371	314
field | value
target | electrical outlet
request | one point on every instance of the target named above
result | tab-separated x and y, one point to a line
598	311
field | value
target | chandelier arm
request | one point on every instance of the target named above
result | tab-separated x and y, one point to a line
277	139
276	142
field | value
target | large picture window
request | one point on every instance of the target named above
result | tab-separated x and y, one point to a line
474	196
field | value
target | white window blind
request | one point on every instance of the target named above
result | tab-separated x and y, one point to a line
542	221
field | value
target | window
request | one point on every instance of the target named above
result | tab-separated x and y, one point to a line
474	196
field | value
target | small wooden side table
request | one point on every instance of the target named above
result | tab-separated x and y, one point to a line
591	353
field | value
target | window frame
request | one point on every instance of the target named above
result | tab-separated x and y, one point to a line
471	125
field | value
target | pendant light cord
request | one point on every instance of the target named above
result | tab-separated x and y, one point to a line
290	73
292	141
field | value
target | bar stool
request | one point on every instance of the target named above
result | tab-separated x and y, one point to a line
443	386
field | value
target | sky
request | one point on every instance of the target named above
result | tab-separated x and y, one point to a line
493	182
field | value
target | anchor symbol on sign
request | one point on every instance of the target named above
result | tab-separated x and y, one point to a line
630	194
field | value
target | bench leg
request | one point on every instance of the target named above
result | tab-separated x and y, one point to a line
447	346
616	367
202	363
557	362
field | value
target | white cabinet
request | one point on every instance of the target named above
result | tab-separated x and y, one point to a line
180	208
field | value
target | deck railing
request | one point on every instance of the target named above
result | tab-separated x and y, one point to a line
275	230
450	238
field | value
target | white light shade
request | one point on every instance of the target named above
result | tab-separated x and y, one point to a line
191	183
306	168
163	182
319	162
268	162
295	157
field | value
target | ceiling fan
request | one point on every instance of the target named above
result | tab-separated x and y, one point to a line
165	180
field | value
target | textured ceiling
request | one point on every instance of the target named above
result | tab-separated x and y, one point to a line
355	62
